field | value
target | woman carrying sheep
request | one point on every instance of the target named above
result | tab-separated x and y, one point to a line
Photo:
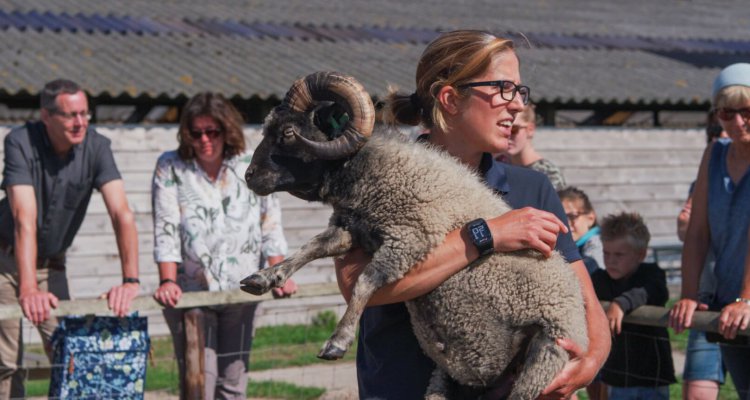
468	94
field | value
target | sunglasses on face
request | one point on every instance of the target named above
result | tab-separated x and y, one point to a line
728	114
508	89
212	133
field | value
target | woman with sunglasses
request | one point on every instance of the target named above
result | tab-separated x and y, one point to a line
720	216
210	231
468	94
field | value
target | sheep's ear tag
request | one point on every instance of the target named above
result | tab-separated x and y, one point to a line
337	124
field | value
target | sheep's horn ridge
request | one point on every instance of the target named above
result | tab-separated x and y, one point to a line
343	89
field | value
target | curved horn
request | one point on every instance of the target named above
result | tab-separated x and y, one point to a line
347	92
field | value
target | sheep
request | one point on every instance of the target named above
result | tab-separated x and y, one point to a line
397	200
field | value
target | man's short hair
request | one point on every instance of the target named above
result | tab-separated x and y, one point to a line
626	225
55	88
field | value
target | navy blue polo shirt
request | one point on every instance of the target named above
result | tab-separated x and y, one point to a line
390	363
62	186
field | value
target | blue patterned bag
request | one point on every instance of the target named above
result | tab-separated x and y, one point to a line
99	358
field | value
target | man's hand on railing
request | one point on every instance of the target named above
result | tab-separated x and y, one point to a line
120	297
36	304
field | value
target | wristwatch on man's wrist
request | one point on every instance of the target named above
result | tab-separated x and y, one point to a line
481	236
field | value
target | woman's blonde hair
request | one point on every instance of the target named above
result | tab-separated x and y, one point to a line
734	96
450	60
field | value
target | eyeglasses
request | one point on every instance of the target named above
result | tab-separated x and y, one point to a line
572	217
68	116
727	114
212	133
508	89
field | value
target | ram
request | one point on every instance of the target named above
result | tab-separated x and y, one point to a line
397	200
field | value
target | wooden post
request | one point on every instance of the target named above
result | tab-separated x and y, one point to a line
195	347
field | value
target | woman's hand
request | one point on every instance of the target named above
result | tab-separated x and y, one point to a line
526	228
289	288
734	317
681	314
168	294
578	372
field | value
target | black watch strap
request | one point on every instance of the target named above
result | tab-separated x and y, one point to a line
481	236
131	280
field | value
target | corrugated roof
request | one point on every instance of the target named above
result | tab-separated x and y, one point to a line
666	18
640	52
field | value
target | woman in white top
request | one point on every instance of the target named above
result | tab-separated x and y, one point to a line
210	231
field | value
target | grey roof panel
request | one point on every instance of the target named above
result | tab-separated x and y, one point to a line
645	52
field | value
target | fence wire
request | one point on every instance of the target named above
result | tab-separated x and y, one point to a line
279	350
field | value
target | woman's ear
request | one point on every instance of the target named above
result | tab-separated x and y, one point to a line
448	99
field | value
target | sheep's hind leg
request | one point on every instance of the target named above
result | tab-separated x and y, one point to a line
544	360
368	282
439	386
333	241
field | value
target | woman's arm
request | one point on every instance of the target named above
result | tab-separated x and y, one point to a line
736	316
684	218
697	240
515	230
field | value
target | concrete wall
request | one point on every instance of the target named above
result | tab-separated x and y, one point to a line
648	171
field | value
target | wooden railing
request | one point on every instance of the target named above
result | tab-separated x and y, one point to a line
188	300
644	315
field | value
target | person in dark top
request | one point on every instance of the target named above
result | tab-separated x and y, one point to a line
51	168
640	363
467	102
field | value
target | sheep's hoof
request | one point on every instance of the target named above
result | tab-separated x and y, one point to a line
256	284
331	352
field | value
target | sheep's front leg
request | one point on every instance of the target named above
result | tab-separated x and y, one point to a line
334	241
368	282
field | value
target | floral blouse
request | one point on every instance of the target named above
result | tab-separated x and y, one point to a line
217	232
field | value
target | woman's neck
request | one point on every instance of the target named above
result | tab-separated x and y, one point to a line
211	168
452	143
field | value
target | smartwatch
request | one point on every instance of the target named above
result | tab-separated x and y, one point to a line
481	236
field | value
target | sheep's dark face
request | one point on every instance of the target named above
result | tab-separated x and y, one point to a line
281	162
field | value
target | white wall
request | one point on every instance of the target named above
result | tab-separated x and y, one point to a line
648	171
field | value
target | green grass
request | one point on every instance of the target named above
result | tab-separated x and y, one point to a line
273	347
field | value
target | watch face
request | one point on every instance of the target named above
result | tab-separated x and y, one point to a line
480	232
481	236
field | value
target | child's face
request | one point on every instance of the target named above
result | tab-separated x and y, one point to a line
620	258
580	221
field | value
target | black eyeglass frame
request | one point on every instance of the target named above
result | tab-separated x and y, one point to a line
501	85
